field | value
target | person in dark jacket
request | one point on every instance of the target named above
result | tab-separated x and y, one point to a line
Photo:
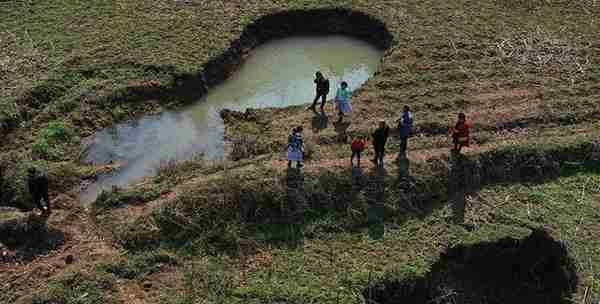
1	180
380	137
405	124
322	85
38	188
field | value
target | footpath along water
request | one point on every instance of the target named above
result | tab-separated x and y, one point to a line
279	73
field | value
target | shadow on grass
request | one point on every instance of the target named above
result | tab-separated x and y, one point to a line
376	223
27	246
320	121
536	269
267	207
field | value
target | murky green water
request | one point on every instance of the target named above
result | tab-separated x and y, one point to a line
277	74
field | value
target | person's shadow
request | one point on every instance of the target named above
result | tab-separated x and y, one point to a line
287	229
294	177
403	166
27	247
294	182
376	210
357	172
341	128
459	203
375	220
320	121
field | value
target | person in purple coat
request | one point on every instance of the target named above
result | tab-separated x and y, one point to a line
405	124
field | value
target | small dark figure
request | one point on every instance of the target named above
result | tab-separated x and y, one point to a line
404	126
1	180
357	146
322	85
69	259
460	133
38	188
342	99
380	137
5	256
295	148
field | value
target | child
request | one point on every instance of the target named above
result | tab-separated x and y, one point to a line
460	133
357	146
295	148
342	98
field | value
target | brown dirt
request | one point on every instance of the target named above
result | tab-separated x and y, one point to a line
151	288
80	242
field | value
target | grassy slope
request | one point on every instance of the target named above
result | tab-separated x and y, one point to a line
84	54
339	246
353	258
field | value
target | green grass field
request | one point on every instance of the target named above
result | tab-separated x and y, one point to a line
525	72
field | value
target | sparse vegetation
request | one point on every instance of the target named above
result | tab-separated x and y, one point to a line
136	234
80	288
137	266
56	131
169	171
117	197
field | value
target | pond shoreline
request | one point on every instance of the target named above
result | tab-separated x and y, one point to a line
187	88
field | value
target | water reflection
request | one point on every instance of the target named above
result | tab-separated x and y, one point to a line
277	74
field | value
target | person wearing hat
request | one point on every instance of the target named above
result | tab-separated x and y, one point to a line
380	137
38	188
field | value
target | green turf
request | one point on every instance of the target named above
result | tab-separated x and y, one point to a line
70	67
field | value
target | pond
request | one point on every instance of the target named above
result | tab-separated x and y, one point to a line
279	73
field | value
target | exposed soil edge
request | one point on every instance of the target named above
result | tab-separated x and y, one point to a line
428	128
536	269
522	164
188	87
418	196
279	25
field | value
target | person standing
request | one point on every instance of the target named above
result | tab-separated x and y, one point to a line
1	181
357	146
380	137
405	124
322	86
295	148
460	133
342	99
38	188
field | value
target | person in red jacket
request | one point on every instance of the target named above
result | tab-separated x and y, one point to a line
460	133
357	146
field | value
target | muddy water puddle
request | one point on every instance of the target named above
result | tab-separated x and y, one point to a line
277	74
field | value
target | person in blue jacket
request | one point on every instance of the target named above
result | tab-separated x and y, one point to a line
342	99
405	124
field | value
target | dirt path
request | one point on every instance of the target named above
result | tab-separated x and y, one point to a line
73	237
333	162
